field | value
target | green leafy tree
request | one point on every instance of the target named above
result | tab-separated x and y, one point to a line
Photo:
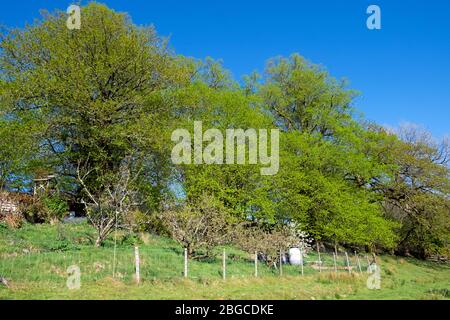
416	190
101	93
324	171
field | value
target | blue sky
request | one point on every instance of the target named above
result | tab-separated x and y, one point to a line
402	70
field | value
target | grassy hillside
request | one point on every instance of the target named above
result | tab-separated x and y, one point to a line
35	258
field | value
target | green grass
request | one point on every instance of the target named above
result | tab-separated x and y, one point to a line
35	259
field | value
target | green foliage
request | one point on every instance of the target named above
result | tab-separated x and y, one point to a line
416	191
45	208
100	91
324	171
56	207
203	224
84	102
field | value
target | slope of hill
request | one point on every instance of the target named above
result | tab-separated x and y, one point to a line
35	259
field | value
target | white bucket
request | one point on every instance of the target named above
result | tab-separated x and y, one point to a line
295	256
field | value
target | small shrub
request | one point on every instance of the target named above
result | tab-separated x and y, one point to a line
56	207
140	222
130	239
14	221
268	240
34	211
200	226
49	208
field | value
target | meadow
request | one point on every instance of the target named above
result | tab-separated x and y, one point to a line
34	261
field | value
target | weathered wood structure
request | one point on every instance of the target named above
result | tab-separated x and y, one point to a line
7	204
43	184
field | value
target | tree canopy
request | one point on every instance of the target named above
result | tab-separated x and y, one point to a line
90	102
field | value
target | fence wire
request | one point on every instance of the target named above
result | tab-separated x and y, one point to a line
164	263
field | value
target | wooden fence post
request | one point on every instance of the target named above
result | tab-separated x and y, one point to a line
137	262
320	260
256	263
359	263
281	264
114	260
335	265
224	265
302	260
348	263
185	262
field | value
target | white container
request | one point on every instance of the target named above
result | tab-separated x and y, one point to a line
295	257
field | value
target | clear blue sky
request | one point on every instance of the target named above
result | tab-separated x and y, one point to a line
402	70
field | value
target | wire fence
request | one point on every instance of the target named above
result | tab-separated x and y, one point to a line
166	263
